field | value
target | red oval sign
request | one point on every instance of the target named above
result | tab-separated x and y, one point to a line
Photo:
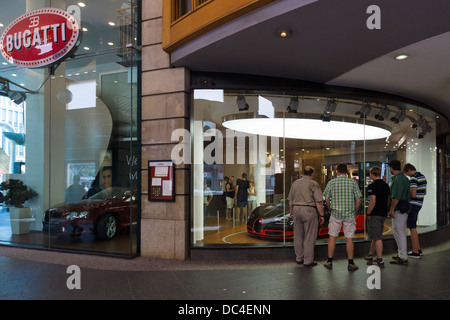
40	38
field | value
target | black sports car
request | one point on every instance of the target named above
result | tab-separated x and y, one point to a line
273	221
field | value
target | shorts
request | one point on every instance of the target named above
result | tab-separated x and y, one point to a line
242	202
375	226
335	224
230	202
411	223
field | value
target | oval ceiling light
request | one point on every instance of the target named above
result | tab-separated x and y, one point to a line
308	129
401	57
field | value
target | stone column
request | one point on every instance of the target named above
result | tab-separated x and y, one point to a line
165	107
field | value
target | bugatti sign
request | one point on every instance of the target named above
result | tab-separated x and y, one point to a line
40	38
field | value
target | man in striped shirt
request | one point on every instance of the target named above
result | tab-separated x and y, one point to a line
343	198
418	192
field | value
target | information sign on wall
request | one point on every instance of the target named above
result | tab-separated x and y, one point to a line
161	181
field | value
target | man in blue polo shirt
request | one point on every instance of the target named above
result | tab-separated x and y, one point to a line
418	192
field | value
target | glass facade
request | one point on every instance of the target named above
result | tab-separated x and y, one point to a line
262	140
74	141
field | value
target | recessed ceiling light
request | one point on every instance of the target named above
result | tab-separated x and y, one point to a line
86	48
283	33
85	29
1	25
112	24
401	57
110	43
81	4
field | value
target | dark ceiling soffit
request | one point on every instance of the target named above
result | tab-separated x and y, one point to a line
256	83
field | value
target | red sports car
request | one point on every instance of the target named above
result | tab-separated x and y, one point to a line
104	213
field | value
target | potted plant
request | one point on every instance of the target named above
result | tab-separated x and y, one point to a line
16	195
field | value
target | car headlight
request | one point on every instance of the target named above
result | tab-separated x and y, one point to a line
76	215
281	218
82	214
71	216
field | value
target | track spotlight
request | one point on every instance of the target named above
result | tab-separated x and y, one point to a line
4	87
383	114
329	109
364	111
242	104
293	105
399	116
418	123
426	128
424	132
326	118
17	97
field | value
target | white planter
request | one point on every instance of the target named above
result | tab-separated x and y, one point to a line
20	219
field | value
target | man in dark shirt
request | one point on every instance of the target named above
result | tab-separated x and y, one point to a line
378	191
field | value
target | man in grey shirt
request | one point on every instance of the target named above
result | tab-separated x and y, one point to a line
305	199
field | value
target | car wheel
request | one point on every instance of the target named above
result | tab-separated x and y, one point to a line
107	226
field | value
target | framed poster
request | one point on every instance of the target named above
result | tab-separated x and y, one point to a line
161	181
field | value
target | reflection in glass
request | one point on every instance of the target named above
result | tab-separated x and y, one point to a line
105	214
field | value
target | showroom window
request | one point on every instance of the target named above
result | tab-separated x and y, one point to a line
70	144
262	140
